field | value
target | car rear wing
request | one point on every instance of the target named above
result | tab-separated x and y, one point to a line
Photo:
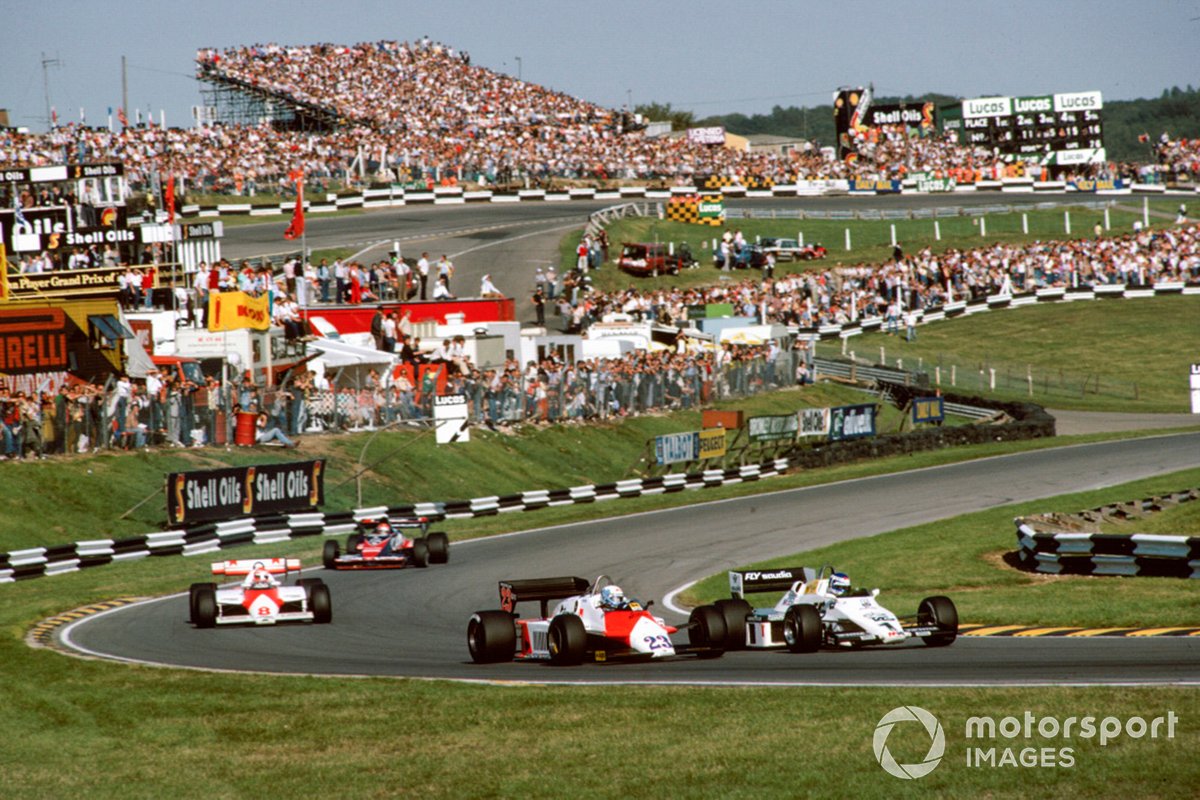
275	566
744	582
541	590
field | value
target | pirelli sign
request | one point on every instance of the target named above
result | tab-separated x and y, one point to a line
33	340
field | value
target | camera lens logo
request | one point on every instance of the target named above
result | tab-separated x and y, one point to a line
937	744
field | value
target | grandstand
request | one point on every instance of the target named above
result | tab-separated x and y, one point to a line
395	112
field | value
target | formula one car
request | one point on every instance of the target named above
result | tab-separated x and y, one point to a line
384	544
591	621
818	609
260	599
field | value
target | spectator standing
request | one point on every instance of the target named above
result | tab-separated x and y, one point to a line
539	306
445	271
423	273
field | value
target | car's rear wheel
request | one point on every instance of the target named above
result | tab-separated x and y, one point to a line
320	603
567	640
329	555
706	628
420	553
439	548
802	629
491	637
940	612
206	608
735	610
192	590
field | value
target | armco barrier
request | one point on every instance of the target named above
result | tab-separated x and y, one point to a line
1062	544
39	562
387	198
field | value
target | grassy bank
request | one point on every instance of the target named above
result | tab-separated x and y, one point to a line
85	497
1115	355
970	558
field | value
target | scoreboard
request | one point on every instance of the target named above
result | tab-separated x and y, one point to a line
1059	129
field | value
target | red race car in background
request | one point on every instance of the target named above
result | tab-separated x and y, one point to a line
381	543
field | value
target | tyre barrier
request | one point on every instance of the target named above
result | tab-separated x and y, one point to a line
1061	544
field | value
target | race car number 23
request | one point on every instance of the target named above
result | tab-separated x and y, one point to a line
658	642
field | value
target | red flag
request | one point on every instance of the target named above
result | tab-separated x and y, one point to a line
296	228
169	199
121	116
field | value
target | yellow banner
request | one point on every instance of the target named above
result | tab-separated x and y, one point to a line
712	442
229	311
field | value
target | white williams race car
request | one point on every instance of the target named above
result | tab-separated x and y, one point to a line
820	609
260	599
591	621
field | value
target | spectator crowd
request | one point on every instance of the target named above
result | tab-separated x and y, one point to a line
421	111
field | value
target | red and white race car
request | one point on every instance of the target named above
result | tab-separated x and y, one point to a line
260	599
385	544
592	621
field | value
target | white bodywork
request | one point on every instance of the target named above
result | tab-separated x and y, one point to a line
635	628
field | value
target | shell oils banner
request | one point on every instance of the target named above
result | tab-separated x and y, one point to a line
229	311
219	494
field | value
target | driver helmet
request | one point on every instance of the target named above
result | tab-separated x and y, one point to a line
382	532
612	597
260	579
839	584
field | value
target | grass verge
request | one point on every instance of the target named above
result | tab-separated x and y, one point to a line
969	558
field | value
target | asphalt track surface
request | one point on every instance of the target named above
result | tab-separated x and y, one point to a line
413	622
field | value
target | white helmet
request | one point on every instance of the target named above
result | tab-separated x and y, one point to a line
612	597
261	579
839	584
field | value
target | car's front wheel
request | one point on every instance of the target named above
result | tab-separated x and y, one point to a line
802	629
420	553
567	640
329	555
940	612
206	608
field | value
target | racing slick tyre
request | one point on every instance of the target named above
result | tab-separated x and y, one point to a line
941	612
320	603
206	608
734	610
439	548
192	590
706	628
353	541
420	553
329	555
491	637
567	641
802	629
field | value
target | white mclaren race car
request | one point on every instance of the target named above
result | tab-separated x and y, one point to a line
819	609
260	599
592	621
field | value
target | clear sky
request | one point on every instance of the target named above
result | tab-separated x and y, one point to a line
704	56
